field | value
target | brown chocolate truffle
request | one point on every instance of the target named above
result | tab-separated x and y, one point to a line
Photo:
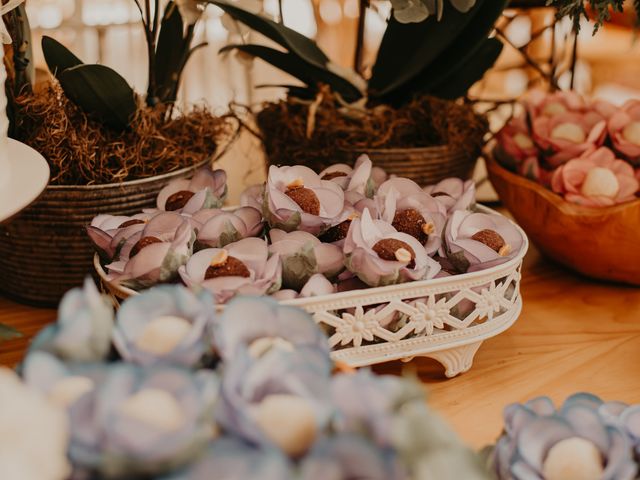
490	238
411	222
143	242
305	198
336	233
332	175
128	223
231	267
178	200
387	249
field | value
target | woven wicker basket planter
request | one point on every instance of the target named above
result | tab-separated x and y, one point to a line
45	251
423	165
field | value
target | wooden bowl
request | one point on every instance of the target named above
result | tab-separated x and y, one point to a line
602	243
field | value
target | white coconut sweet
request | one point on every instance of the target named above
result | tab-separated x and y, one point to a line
553	108
288	421
163	334
65	392
600	182
523	141
260	346
156	408
569	131
631	133
573	458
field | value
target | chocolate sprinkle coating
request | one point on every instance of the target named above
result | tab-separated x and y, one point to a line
178	200
410	221
490	238
128	223
305	198
232	267
387	247
143	242
336	233
332	175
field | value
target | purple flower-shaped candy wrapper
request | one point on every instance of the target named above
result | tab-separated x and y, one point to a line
296	198
380	255
217	228
207	189
167	325
241	268
303	255
476	241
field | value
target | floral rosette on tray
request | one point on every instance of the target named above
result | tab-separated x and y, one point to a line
304	234
584	439
167	389
586	151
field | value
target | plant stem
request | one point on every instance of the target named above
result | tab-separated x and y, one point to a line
362	13
574	59
280	12
149	28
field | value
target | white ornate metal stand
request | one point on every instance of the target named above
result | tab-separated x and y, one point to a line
446	319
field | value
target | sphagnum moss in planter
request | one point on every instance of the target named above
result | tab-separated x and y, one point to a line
110	150
404	116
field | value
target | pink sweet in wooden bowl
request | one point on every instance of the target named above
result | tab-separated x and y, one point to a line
600	242
565	170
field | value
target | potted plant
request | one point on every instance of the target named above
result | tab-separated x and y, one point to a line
568	169
109	148
403	116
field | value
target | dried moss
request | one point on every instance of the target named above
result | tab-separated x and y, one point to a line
82	151
423	122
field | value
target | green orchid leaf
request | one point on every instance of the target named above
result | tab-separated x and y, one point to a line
100	91
306	72
462	51
461	79
293	41
436	47
8	333
172	53
58	57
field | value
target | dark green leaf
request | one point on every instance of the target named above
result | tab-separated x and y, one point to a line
58	57
293	65
171	53
463	50
461	79
428	41
293	41
100	92
8	333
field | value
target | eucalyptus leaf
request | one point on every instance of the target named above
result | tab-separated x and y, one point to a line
8	333
420	44
101	92
303	71
293	41
58	57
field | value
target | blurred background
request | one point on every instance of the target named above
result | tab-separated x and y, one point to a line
108	32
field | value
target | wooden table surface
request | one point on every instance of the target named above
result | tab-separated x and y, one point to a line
573	335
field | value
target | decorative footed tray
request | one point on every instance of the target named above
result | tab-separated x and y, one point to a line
446	319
